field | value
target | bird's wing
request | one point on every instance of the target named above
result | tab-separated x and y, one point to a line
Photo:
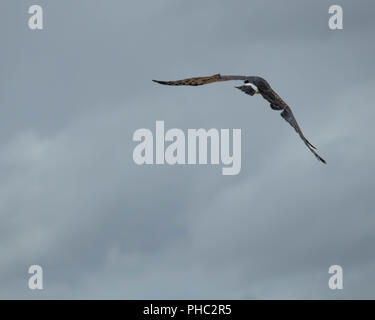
270	95
287	114
198	81
279	104
274	99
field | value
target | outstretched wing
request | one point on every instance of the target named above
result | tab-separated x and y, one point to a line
287	114
198	81
279	104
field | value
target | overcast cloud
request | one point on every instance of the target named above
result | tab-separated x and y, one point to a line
73	201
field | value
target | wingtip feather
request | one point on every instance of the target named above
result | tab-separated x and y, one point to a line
322	160
318	157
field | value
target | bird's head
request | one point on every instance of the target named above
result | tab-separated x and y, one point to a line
247	89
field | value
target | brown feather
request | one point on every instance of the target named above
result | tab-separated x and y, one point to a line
196	81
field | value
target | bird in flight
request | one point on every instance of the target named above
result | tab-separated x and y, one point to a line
252	85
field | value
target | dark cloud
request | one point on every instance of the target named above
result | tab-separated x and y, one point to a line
72	200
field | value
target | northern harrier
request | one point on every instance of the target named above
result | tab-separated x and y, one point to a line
251	86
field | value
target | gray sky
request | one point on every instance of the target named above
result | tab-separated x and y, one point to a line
73	201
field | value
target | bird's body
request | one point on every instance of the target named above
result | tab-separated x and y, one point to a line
252	85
